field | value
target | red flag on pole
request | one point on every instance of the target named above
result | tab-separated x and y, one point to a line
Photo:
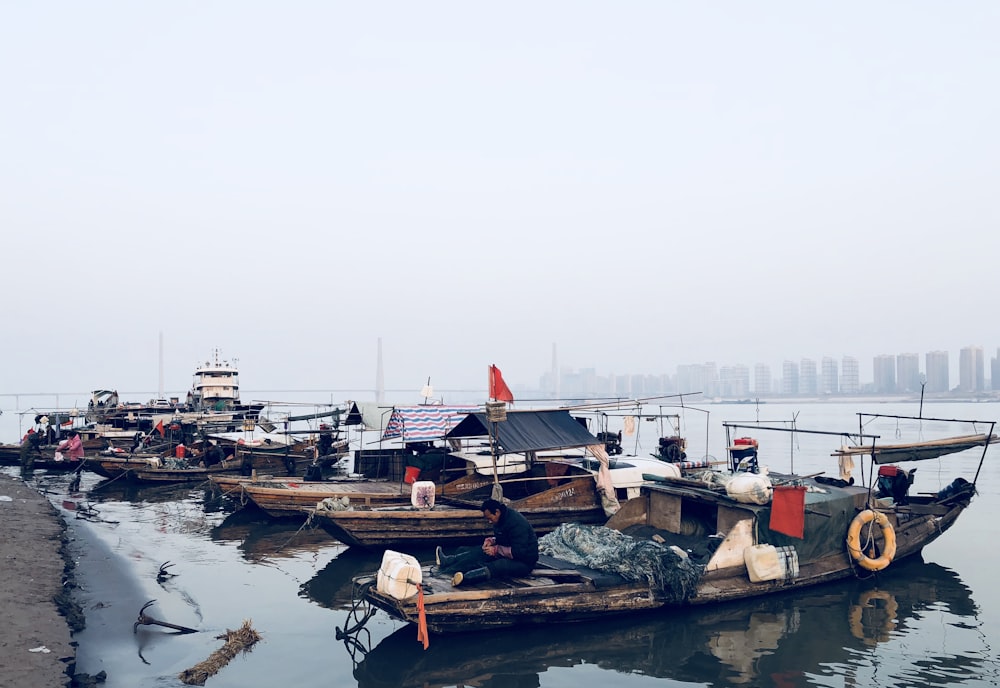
788	510
159	429
498	388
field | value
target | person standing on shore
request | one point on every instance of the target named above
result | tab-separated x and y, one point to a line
511	551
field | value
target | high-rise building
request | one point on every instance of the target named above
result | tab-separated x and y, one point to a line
789	378
850	376
828	383
936	367
995	372
690	379
808	379
734	381
884	374
622	387
971	369
907	373
762	384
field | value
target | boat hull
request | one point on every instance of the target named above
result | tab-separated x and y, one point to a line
459	521
556	594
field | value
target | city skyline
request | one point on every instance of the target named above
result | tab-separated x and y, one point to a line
901	373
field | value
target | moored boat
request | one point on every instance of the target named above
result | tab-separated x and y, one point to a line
533	464
727	535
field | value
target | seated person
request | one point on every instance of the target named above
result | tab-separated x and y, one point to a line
511	551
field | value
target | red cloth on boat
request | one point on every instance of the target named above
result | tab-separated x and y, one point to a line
788	510
422	636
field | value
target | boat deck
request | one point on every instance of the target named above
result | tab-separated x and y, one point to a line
548	572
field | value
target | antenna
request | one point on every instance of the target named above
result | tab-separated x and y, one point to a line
379	377
159	389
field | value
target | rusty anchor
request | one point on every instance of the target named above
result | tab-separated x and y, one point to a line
150	621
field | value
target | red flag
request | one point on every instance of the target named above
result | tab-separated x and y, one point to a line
788	510
159	429
498	388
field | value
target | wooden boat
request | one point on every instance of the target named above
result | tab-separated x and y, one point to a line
727	536
48	462
748	644
548	492
166	466
456	521
293	497
40	456
536	469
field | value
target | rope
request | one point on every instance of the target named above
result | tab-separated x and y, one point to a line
358	601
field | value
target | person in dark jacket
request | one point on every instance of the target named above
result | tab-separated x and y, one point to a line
511	551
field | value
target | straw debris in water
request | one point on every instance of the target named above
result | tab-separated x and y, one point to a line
240	640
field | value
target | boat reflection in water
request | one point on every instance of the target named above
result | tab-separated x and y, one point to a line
262	538
333	587
856	632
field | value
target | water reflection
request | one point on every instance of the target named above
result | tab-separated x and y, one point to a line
116	490
332	587
783	641
262	538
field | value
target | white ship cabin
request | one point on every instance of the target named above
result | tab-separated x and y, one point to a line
216	384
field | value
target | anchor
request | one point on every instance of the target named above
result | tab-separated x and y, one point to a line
150	621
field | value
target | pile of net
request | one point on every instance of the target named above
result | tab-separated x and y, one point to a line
611	551
341	503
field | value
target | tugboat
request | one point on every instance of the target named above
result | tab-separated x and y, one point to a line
214	400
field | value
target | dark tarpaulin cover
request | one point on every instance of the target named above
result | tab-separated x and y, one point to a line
525	431
827	517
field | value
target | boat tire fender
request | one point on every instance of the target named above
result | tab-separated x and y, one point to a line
854	540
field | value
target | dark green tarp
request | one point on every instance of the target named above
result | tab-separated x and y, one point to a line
525	431
827	519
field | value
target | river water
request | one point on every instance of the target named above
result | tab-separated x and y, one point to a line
934	621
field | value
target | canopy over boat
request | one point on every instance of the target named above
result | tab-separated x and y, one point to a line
918	451
423	423
525	431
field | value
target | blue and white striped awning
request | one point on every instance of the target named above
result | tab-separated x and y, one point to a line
424	423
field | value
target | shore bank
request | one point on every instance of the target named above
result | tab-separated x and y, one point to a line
36	646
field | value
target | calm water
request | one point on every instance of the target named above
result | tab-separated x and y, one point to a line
929	622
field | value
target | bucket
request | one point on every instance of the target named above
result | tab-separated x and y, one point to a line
181	451
412	473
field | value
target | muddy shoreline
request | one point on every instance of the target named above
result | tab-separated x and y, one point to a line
37	596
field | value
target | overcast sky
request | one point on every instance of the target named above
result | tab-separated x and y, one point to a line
643	184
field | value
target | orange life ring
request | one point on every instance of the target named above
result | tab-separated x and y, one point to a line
854	540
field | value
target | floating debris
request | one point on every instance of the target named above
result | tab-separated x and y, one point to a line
240	640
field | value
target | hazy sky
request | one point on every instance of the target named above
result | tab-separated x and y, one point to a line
644	184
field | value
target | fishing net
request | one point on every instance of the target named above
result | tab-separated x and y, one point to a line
608	550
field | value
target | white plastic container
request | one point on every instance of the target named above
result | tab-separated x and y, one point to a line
422	494
767	563
398	575
750	488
